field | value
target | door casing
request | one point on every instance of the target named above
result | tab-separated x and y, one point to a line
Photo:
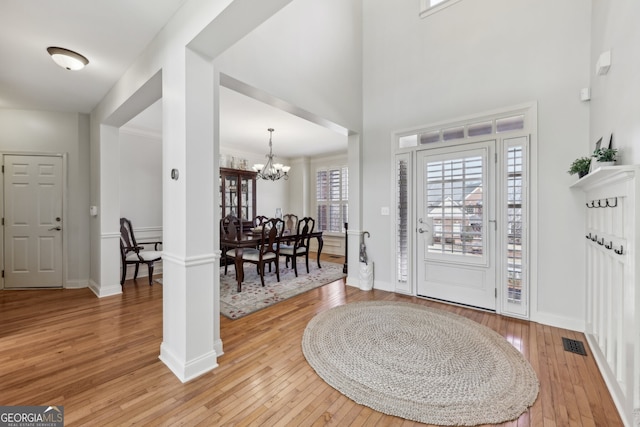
459	277
60	269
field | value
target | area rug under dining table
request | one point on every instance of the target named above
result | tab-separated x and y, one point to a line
254	296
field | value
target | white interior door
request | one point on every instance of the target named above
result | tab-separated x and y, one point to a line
456	230
32	221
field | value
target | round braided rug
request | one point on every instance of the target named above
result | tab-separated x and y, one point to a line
420	363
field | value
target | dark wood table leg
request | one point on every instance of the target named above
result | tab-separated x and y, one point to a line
239	268
320	244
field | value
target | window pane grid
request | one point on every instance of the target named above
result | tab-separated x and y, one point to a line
402	218
332	191
514	182
455	205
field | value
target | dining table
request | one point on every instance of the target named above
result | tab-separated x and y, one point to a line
253	239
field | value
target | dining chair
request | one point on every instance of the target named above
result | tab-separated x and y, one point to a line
133	252
290	223
268	250
260	221
300	246
230	229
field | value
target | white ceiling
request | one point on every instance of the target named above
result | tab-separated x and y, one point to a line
112	34
243	127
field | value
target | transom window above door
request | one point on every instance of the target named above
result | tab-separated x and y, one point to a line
463	131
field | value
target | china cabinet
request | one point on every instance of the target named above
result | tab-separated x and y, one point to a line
238	194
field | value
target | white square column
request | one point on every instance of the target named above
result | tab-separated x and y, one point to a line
191	325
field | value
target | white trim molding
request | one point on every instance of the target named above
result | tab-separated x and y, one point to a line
429	7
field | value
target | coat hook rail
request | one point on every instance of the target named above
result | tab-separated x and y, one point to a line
603	203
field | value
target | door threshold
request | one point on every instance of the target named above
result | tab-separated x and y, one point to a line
487	310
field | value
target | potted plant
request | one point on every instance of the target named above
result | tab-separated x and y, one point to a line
605	156
580	166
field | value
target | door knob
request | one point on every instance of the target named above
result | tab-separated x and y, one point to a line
420	230
58	228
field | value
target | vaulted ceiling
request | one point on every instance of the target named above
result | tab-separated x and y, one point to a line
112	34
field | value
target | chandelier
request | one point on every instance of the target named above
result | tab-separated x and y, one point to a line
271	171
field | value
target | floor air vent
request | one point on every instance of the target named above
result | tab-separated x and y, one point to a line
574	346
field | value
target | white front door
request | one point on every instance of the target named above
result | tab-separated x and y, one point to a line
456	230
32	221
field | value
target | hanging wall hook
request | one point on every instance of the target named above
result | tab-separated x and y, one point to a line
613	206
619	252
609	246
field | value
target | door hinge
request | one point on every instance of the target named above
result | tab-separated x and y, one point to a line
3	221
495	157
2	273
496	292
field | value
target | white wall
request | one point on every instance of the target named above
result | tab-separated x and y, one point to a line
615	106
308	54
470	58
28	131
141	179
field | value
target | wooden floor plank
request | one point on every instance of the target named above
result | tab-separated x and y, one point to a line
98	357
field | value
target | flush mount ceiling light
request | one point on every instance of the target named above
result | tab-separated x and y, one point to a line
271	171
67	59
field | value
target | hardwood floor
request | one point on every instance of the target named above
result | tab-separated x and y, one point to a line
99	359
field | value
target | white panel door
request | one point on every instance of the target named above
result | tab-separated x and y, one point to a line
33	221
456	243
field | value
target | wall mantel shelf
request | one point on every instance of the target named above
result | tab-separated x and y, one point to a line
606	175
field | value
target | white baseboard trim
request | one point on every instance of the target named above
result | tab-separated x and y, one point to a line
76	284
217	346
610	380
104	291
563	322
190	370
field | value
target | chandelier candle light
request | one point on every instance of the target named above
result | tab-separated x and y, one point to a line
271	171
